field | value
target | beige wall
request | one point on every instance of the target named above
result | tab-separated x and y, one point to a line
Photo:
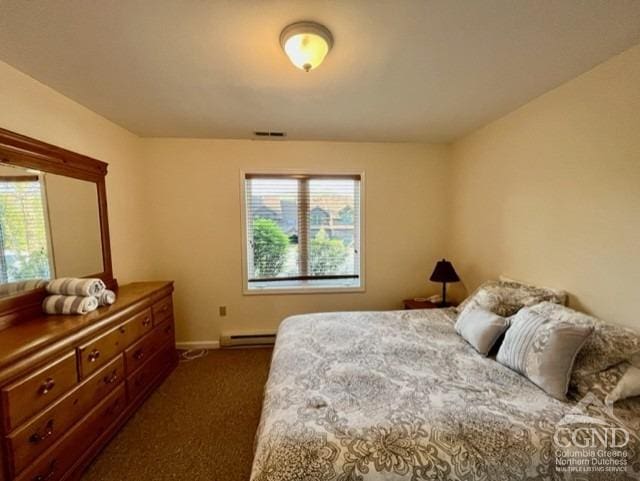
175	213
194	186
551	193
33	109
13	171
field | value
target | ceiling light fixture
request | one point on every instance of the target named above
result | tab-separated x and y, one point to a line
306	44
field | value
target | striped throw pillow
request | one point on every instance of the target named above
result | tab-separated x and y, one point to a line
543	350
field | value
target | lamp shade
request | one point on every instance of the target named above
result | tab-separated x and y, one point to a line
444	272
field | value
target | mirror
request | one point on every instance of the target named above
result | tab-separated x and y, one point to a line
49	227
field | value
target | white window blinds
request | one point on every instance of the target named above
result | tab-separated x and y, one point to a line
302	231
23	231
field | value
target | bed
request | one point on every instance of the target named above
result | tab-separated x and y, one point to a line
399	395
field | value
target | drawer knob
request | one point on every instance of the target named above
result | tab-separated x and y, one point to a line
139	354
49	475
47	385
146	322
36	438
122	330
94	355
112	378
168	329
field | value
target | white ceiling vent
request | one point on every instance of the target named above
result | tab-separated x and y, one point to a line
269	134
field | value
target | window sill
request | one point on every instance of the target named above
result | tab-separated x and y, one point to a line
302	287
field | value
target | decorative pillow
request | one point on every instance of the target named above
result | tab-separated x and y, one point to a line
543	350
506	298
560	294
481	328
599	383
616	383
628	386
609	345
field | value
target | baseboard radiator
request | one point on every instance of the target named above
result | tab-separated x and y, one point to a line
240	339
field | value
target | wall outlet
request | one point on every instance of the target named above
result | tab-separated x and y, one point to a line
223	311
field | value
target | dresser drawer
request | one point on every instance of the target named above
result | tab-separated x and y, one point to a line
166	332
36	390
163	309
143	378
138	326
54	463
137	354
95	353
39	433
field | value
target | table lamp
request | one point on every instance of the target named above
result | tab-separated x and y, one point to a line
444	272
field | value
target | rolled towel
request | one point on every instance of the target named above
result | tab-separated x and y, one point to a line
59	304
106	298
70	286
21	286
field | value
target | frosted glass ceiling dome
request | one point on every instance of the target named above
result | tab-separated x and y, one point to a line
306	44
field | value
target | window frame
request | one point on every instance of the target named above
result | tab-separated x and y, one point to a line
301	289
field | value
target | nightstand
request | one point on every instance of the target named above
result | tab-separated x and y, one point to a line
413	304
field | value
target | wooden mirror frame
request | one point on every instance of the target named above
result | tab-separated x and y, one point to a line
23	151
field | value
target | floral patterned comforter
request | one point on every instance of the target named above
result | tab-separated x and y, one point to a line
362	396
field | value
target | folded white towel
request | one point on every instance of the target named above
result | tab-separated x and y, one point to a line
106	298
59	304
70	286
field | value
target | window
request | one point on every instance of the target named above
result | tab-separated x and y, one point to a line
302	232
23	230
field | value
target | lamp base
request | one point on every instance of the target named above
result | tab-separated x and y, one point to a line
444	303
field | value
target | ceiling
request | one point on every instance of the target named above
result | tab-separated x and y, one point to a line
403	70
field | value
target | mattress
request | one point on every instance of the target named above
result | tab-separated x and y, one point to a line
399	395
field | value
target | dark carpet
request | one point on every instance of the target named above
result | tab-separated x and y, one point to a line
198	425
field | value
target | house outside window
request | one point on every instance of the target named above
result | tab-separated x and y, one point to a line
302	233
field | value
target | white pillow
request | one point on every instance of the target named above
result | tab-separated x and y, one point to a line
628	386
481	328
629	383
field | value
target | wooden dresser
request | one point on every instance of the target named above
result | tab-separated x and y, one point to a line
68	383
